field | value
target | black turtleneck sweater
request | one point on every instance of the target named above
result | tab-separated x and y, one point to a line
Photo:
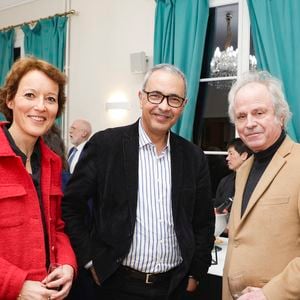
261	161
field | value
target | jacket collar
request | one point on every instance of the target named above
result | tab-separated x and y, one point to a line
277	162
5	149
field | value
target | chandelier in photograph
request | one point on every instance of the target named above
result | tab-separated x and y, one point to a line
224	63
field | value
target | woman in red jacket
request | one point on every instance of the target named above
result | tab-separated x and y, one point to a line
31	230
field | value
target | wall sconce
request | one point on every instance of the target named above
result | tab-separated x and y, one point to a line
117	106
138	62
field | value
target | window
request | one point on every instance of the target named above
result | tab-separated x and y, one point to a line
19	44
17	53
228	25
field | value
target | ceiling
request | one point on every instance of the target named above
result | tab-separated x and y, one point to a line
5	4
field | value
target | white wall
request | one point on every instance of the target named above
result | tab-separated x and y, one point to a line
102	36
30	10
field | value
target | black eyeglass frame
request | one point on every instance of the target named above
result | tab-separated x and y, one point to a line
163	97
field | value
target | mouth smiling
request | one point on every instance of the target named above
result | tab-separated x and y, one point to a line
161	116
37	118
253	134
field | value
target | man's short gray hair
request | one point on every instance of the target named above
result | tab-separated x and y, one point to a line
169	68
273	85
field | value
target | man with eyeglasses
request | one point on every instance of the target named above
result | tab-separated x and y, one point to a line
153	213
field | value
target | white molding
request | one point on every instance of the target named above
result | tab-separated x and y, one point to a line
243	38
117	105
215	152
15	3
218	78
19	40
215	3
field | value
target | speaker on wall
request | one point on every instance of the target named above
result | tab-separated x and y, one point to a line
138	62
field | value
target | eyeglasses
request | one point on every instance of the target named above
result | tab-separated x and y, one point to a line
156	97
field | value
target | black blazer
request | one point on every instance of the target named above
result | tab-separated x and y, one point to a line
108	172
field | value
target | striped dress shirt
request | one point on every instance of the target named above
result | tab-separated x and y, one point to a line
154	247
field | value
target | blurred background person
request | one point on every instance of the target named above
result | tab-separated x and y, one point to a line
238	152
217	168
31	229
79	132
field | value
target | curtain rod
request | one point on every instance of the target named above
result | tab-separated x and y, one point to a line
70	12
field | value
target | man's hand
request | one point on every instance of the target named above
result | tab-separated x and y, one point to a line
94	275
252	293
192	284
61	281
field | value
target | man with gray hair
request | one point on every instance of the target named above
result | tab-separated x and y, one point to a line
153	227
263	255
79	132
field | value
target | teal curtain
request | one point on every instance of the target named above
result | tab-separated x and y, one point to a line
47	40
7	39
179	37
275	29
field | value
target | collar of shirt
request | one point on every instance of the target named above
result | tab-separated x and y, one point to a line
145	140
80	146
36	154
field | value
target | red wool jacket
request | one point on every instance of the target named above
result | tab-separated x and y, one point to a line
22	247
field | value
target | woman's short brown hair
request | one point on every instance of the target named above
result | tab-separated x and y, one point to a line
19	69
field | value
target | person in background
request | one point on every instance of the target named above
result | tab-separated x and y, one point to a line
263	255
217	168
54	141
31	229
79	132
153	213
238	152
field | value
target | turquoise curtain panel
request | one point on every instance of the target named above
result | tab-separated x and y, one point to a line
179	37
47	40
275	29
7	39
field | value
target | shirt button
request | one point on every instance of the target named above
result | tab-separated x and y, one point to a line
52	248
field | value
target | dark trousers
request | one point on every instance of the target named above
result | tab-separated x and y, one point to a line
83	287
121	286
